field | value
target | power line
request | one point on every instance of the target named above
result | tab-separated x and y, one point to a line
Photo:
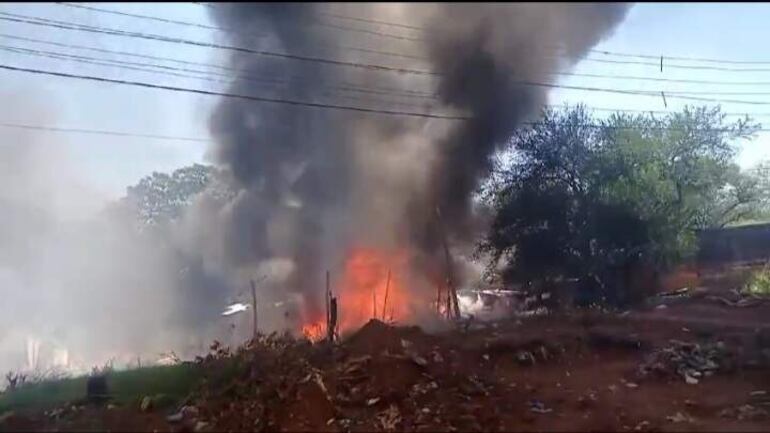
677	66
588	59
105	62
664	80
101	132
118	64
268	81
204	140
405	91
343	85
682	58
371	21
233	95
227	30
604	52
629	110
106	51
352	29
645	93
344	17
146	17
341	107
54	23
115	32
130	66
146	67
318	23
630	92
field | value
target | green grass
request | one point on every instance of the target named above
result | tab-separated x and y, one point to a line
759	283
125	387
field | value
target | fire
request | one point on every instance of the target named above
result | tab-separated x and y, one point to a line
372	285
315	331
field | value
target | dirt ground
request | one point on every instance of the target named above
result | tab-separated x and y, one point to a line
568	372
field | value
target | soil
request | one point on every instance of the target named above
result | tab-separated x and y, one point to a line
561	372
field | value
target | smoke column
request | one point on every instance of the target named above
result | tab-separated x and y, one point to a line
314	182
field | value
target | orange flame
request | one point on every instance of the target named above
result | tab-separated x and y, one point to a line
314	331
372	286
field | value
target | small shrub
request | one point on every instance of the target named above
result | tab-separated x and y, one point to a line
759	283
14	380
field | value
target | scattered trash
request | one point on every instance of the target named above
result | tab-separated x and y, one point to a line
538	407
389	418
190	411
675	293
372	401
235	309
419	360
680	417
177	417
631	385
689	361
745	412
146	404
525	357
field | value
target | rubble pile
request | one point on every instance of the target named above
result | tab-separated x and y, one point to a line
687	360
382	378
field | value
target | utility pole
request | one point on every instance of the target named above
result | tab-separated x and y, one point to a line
254	307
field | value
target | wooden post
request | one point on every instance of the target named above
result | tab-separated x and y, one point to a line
254	307
385	303
327	296
453	309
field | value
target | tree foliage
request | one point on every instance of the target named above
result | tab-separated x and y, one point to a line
585	198
161	197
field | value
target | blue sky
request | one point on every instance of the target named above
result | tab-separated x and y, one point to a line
712	30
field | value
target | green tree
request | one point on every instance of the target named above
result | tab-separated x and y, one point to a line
582	198
161	197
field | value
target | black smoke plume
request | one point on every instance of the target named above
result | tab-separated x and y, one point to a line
315	182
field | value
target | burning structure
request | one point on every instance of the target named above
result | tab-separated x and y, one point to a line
378	198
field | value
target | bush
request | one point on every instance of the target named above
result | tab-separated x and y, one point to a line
759	283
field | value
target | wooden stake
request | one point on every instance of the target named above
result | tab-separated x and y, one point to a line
374	302
327	297
453	309
385	303
254	307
